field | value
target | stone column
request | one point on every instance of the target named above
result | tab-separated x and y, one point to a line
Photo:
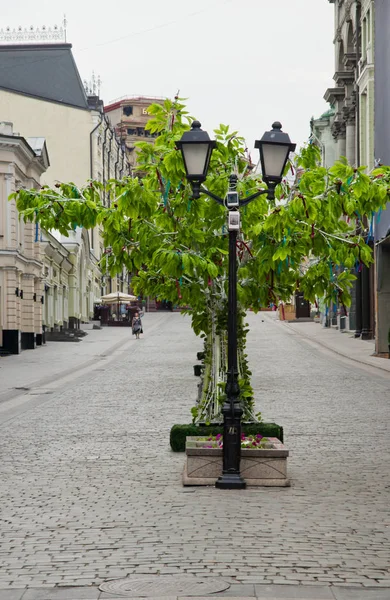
38	287
351	141
11	331
65	310
366	304
60	306
73	301
339	135
55	308
367	332
49	309
341	144
27	312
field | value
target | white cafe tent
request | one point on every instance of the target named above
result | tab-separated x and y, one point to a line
117	298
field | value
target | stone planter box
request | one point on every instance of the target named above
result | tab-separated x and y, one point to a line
259	467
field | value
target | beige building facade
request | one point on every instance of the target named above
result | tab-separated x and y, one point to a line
41	93
129	115
21	266
44	283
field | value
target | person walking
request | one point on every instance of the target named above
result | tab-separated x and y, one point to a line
137	325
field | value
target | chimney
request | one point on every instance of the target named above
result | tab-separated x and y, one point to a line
6	128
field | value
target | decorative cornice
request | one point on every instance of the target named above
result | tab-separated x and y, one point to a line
16	255
344	77
19	144
332	95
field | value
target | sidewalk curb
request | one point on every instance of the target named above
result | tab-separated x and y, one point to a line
332	349
259	591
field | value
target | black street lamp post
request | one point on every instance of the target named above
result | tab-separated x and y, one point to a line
196	147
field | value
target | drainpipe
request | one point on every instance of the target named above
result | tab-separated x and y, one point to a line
117	160
104	154
109	163
91	143
122	166
366	298
359	275
358	52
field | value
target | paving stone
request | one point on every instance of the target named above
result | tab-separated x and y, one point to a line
105	596
70	593
11	594
241	590
292	592
85	498
221	597
362	594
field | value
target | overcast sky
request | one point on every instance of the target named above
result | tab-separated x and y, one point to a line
245	63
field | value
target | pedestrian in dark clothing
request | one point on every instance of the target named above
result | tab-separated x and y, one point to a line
137	325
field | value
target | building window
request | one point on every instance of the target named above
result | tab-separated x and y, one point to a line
364	39
128	111
131	131
140	131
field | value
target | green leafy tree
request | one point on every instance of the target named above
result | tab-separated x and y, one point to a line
177	248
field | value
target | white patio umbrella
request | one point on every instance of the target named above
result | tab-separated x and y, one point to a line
118	297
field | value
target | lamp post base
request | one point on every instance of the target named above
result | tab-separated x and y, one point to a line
230	481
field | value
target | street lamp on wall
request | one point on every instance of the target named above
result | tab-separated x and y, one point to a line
196	148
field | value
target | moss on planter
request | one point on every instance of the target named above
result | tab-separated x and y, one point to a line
180	432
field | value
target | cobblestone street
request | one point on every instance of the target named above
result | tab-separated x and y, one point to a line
90	490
